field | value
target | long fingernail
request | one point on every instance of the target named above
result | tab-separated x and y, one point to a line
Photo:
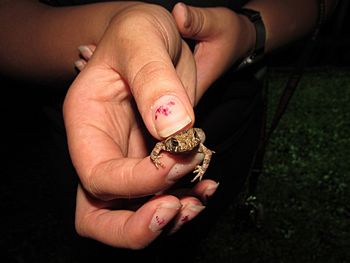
210	190
180	169
80	64
169	115
189	212
163	215
85	51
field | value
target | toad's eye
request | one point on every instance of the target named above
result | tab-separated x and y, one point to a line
195	134
174	142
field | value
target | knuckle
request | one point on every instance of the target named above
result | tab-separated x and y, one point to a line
81	225
140	15
92	184
197	22
92	187
131	239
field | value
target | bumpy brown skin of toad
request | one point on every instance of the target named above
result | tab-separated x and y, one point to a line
184	142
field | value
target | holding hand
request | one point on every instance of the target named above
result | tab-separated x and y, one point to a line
131	71
222	37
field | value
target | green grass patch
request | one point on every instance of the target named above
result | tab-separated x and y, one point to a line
305	185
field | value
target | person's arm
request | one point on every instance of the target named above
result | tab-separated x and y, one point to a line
40	42
224	37
288	20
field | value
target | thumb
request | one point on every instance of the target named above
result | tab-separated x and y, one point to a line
147	64
194	22
213	52
200	24
161	97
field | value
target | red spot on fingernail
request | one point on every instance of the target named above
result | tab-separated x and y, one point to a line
184	219
160	221
164	110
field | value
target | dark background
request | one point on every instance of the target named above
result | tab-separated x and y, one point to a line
331	48
32	225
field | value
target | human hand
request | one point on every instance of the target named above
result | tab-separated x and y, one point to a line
222	37
133	66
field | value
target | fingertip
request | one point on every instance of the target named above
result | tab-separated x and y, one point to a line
211	189
163	214
149	221
170	115
191	208
80	64
86	51
196	22
182	15
204	189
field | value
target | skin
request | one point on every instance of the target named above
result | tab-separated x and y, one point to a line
109	104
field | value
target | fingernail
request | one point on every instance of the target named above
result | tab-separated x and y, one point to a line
163	215
85	51
189	212
80	64
169	115
180	169
210	190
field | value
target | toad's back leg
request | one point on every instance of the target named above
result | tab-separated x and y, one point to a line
201	169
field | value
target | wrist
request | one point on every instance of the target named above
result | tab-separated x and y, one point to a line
258	51
248	36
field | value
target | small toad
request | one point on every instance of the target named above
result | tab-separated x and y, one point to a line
183	142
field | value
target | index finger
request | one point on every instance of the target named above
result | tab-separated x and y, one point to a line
136	177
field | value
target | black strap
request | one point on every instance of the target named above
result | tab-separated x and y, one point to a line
259	48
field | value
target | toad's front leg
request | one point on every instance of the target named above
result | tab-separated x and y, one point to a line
155	154
201	169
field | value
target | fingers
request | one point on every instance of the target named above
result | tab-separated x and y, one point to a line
106	144
86	52
202	190
135	230
103	166
191	207
125	177
192	201
124	228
